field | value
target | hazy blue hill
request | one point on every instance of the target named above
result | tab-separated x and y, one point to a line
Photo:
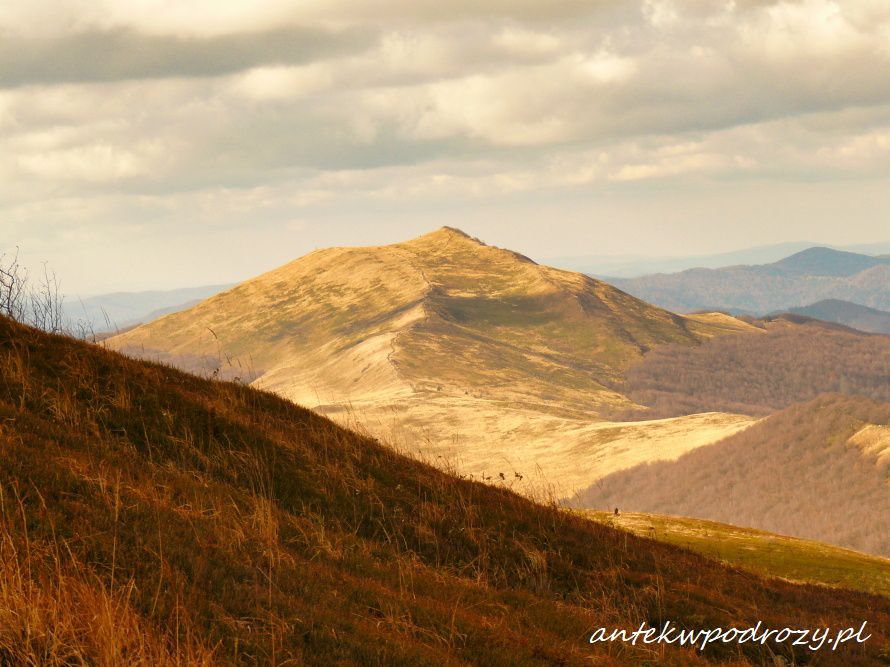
806	277
119	310
828	262
632	266
608	267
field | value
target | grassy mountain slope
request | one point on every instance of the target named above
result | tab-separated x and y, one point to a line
444	344
441	310
847	313
152	517
758	551
809	276
793	360
817	470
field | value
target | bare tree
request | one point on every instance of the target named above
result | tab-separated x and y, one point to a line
39	305
13	287
47	303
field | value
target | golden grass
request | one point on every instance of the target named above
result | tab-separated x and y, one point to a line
56	610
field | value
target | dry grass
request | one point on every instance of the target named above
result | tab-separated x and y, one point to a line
153	516
56	610
764	553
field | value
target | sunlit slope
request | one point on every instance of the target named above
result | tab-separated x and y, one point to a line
441	338
441	312
547	455
761	552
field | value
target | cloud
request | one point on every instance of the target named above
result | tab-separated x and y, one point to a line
481	77
125	54
144	112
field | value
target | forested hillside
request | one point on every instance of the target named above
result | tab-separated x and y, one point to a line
757	374
820	471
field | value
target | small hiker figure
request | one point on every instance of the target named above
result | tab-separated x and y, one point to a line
616	511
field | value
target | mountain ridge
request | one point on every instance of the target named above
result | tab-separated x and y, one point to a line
442	343
429	295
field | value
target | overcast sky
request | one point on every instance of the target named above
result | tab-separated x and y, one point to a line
165	143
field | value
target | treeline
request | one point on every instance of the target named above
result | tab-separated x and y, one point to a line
794	473
759	374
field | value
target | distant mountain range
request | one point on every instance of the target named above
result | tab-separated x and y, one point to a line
634	266
804	278
120	310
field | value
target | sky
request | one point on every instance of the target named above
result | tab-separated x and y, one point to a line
150	144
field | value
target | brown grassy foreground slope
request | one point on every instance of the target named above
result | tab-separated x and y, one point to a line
795	361
153	517
449	347
819	471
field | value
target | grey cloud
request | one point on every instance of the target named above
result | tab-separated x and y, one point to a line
438	102
121	54
528	11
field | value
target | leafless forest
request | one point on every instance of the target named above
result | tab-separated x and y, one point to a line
794	473
759	374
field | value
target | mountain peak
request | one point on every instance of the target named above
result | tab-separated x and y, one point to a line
446	230
446	240
822	261
444	235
